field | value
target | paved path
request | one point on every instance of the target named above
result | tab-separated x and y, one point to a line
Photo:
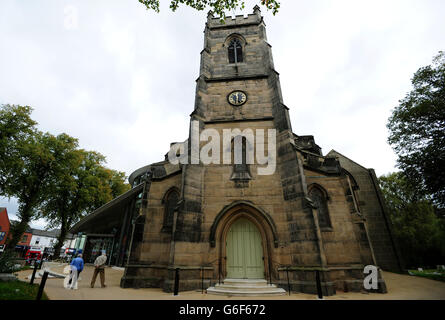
399	287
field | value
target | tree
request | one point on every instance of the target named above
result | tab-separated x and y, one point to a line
217	6
16	127
79	184
15	223
417	131
419	232
116	182
49	175
30	179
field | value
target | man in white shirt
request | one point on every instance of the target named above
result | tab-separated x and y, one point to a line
99	267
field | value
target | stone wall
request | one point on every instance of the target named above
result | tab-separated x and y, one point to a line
340	242
379	225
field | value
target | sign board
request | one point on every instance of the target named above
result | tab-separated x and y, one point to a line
48	250
2	247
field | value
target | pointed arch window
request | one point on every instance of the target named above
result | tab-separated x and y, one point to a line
319	198
170	203
235	51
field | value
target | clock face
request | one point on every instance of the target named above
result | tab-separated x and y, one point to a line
237	98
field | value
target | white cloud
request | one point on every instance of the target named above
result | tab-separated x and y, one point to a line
122	81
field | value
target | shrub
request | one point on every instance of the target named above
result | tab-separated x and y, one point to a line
7	262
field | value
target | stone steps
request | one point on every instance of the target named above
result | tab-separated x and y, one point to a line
246	288
249	282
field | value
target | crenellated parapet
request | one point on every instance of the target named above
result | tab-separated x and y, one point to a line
235	21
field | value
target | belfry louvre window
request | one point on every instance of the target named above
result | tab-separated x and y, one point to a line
241	172
240	162
235	51
320	201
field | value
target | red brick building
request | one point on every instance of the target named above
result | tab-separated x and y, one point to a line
26	239
4	225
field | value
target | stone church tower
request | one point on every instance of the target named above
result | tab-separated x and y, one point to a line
223	220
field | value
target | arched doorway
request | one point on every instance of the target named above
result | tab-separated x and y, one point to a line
244	251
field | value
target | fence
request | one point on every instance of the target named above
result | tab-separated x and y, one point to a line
278	267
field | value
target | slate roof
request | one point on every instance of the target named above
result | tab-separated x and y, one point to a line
49	233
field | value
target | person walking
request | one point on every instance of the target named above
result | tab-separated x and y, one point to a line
99	267
77	265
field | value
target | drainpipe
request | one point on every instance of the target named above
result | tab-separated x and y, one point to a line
172	242
111	253
175	218
121	234
133	222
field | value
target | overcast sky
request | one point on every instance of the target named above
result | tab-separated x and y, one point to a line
121	79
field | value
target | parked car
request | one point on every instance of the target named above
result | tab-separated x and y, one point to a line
33	255
68	254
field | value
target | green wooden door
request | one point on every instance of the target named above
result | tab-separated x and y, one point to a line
244	251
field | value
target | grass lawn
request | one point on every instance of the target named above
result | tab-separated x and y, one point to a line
25	267
19	290
429	274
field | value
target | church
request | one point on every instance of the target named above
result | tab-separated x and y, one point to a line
222	223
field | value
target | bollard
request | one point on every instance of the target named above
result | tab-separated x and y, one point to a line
33	273
219	271
317	279
176	289
202	280
42	285
288	284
